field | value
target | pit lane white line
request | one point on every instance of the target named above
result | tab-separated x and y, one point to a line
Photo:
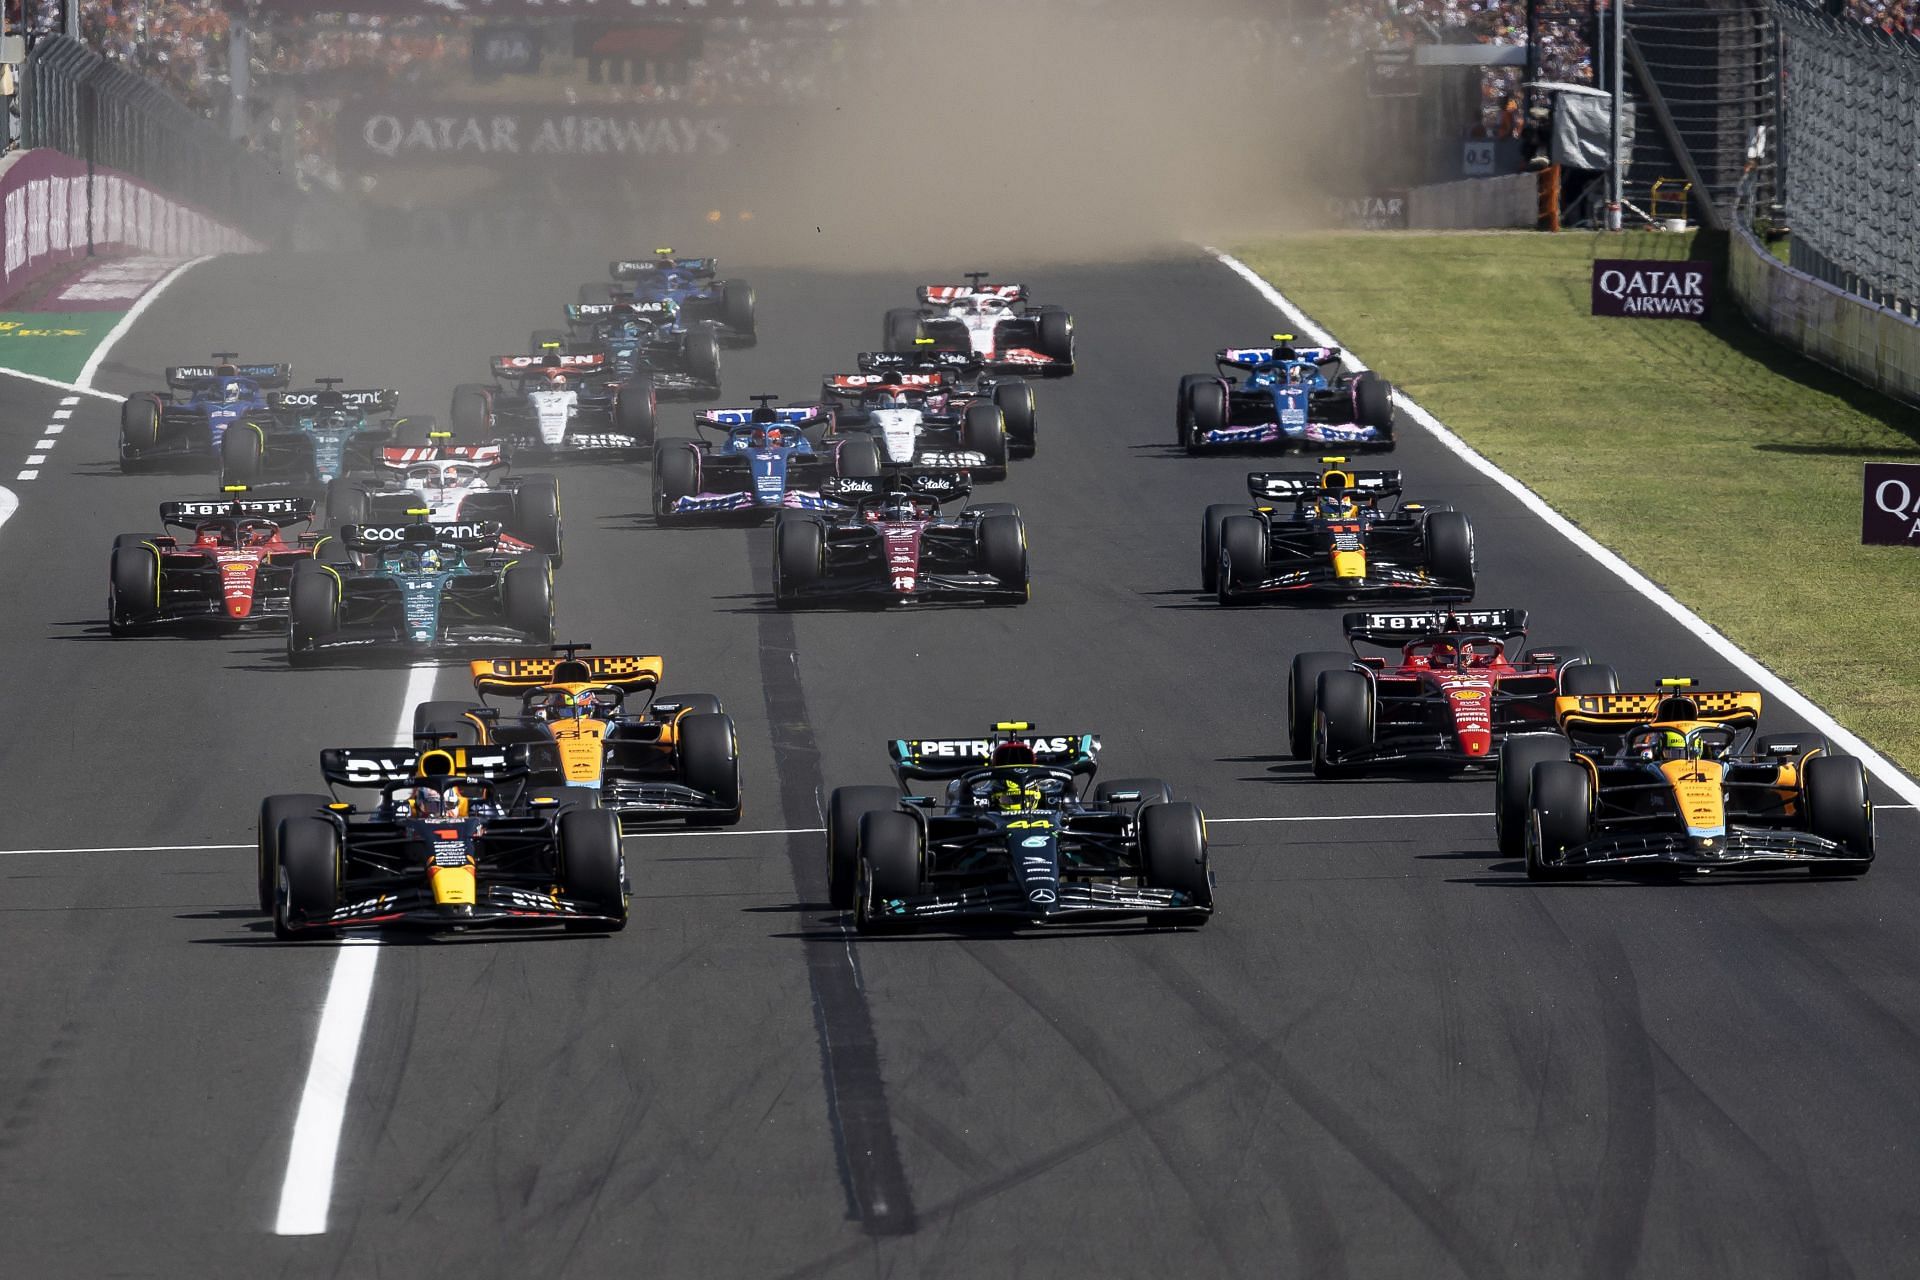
306	1193
87	371
1882	768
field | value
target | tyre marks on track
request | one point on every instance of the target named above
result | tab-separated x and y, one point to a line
868	1155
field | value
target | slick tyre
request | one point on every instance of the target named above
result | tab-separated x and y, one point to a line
902	330
592	869
799	560
275	810
1210	523
1056	336
313	611
703	356
636	410
1559	817
891	858
448	716
1839	810
1584	679
1173	852
984	431
526	598
1303	681
1183	408
845	807
1513	785
307	885
709	752
1243	559
243	453
1373	401
1206	411
1003	552
471	413
139	431
1343	720
1449	547
676	475
857	457
347	503
133	585
738	310
535	516
1019	408
1152	791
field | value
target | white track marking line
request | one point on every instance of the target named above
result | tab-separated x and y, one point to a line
9	503
770	831
63	386
1349	817
67	402
306	1193
1881	767
61	415
28	474
43	444
87	371
36	459
128	848
55	428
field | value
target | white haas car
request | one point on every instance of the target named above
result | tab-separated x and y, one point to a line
917	420
444	483
992	322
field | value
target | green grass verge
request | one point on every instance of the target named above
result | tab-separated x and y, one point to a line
53	344
1723	467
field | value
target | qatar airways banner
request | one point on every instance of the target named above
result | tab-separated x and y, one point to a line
1652	290
370	135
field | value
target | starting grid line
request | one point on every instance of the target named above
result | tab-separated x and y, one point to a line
48	438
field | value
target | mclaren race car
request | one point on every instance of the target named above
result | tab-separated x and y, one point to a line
889	541
916	420
1678	779
643	341
1450	697
765	463
453	843
558	405
1288	398
992	322
184	425
1334	541
449	483
596	732
420	588
234	567
309	437
691	284
1018	835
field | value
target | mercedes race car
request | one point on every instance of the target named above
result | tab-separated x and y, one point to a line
234	567
1678	779
643	340
690	284
1288	398
557	405
992	322
890	542
1018	835
765	464
596	732
917	419
310	437
186	423
449	483
420	588
1334	542
454	842
1451	697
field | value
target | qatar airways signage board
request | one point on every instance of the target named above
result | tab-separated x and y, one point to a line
1652	290
1890	505
506	136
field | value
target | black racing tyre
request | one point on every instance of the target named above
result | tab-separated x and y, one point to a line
536	515
139	430
1373	401
526	598
1173	852
709	751
1210	522
313	609
243	453
330	550
471	414
275	810
1206	411
891	869
1056	336
1019	407
1513	784
1449	543
307	886
1003	551
1183	407
857	457
1343	720
346	503
1839	810
592	869
1303	681
448	714
703	355
1588	678
984	431
544	341
902	330
1243	558
636	407
676	475
799	560
133	584
1152	791
599	291
845	807
1559	817
737	309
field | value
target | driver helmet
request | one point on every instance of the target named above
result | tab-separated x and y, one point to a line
586	702
891	393
1672	744
1443	655
1010	795
256	535
426	561
1014	753
899	507
231	391
437	803
1336	507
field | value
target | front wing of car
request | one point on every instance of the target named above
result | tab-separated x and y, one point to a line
1381	580
1741	848
1314	434
1073	900
495	905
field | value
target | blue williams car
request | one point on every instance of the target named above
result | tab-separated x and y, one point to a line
184	425
690	284
1286	398
765	463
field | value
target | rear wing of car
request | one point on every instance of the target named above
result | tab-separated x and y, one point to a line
630	672
400	457
639	268
786	415
390	766
1611	714
946	295
859	384
308	400
468	535
656	310
925	361
1266	357
1407	626
186	377
281	511
931	759
522	368
941	486
1284	486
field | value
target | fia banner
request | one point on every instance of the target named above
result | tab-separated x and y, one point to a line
1890	505
1652	290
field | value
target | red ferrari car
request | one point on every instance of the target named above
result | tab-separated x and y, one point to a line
233	567
1451	697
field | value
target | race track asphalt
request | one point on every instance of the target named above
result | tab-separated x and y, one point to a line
1388	1055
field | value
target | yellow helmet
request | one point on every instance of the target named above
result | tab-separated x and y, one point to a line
1012	796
